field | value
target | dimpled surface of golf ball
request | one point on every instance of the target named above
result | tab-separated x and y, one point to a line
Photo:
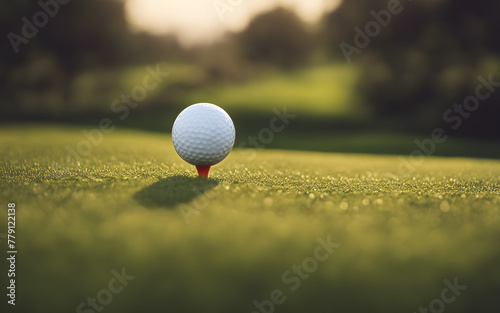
203	134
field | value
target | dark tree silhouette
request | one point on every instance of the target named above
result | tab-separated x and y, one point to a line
278	38
427	58
81	35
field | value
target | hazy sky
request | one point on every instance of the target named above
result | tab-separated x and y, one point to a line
197	21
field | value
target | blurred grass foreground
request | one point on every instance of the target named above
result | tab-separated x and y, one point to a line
131	228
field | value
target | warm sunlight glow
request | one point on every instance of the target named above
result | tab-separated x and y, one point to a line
198	21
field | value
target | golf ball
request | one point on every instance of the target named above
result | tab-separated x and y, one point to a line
203	134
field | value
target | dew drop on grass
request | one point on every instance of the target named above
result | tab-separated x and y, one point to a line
344	205
268	201
445	206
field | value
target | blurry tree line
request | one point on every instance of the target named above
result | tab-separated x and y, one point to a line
426	59
42	57
422	60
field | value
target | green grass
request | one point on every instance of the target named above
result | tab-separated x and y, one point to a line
188	84
258	215
312	86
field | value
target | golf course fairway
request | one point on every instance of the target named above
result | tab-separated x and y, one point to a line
269	231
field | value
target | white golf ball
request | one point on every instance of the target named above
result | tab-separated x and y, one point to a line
203	134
